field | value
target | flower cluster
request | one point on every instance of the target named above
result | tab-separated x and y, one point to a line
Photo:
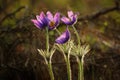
52	21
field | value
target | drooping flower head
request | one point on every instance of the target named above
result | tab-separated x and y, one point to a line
41	21
53	21
71	19
63	38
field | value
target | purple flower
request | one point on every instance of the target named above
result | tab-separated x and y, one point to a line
53	21
40	21
71	19
63	38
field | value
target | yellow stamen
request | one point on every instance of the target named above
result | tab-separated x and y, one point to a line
52	23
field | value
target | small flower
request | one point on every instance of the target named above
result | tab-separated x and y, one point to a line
41	21
63	38
53	21
71	19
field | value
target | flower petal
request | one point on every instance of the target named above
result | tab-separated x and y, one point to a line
37	24
38	18
76	15
65	20
63	38
70	13
49	15
43	18
57	19
73	20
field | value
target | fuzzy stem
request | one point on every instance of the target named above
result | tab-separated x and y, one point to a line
77	35
68	68
49	64
68	65
47	40
81	69
80	61
67	61
58	31
50	70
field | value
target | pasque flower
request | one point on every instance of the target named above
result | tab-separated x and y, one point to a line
63	38
53	21
41	21
49	20
71	19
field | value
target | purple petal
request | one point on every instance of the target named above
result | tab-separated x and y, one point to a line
65	20
43	19
42	15
37	24
72	17
68	21
70	13
53	23
73	20
49	15
38	18
76	15
63	38
57	18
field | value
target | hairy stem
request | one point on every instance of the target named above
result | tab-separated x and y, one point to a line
68	64
49	64
81	69
68	68
50	70
67	61
77	35
58	31
47	40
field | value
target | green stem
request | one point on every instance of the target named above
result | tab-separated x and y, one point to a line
50	70
68	65
81	69
77	35
47	40
80	61
58	31
67	60
49	64
68	68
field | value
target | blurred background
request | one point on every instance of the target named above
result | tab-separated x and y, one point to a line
98	25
